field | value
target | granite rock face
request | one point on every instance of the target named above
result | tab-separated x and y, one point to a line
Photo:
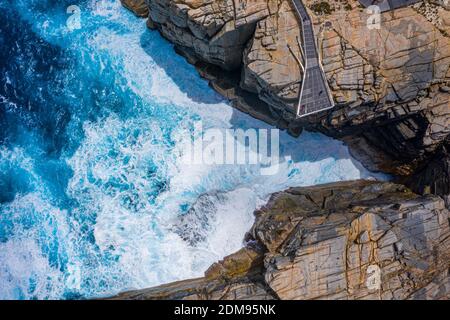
256	39
352	240
237	277
356	241
216	31
253	43
391	85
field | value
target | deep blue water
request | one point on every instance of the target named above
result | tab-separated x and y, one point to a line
91	137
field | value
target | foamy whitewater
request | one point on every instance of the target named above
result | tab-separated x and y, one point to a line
92	186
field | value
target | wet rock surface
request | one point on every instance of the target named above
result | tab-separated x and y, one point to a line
348	240
237	277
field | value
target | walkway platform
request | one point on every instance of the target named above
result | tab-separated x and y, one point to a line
315	94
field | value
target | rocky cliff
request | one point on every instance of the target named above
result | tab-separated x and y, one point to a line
391	85
392	82
352	240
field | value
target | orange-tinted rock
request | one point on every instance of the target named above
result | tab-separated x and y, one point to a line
138	7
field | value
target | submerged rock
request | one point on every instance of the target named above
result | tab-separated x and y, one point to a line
194	226
347	240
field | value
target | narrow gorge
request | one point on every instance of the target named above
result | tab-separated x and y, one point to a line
391	88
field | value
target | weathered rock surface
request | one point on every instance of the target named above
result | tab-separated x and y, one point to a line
254	43
391	85
217	31
139	7
352	240
332	237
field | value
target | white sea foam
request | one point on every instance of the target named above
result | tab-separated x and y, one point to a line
26	274
135	222
25	270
